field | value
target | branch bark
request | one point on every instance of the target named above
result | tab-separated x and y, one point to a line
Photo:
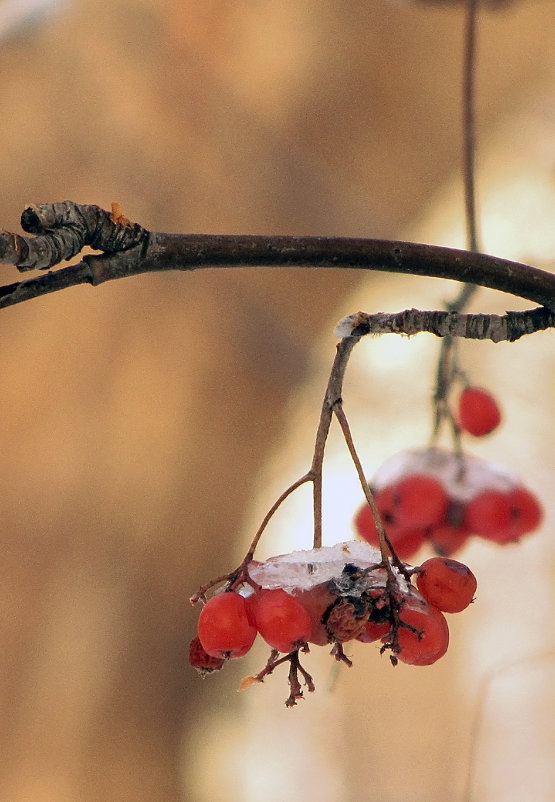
63	229
497	328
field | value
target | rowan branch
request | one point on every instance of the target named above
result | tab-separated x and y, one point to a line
63	229
497	328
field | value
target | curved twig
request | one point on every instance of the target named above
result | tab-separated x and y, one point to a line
132	250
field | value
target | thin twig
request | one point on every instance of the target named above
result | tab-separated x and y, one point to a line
447	360
496	328
308	477
386	548
332	396
469	125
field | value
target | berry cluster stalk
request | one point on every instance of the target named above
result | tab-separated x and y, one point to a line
447	367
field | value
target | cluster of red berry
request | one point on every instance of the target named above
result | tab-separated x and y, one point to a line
327	600
444	498
353	591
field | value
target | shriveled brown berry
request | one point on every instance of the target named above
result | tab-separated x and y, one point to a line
346	620
200	659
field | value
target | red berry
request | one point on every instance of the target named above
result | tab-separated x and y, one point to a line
478	411
424	647
224	628
250	603
317	600
386	504
420	501
282	620
364	520
365	526
448	539
406	542
405	513
526	512
373	632
489	514
446	584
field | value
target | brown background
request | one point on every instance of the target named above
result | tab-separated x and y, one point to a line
137	417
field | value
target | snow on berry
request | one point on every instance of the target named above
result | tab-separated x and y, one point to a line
462	476
303	569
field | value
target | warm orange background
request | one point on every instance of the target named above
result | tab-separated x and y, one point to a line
138	416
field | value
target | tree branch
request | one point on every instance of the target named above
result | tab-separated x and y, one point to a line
63	229
497	328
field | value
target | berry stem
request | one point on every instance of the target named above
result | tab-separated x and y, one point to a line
332	398
314	474
339	654
308	477
386	548
447	362
201	592
294	668
469	129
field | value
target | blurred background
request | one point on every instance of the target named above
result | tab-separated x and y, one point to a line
143	441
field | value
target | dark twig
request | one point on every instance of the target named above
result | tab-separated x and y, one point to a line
385	545
308	477
447	361
294	668
138	251
469	127
332	397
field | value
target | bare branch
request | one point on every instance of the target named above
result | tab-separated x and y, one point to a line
131	250
497	328
63	230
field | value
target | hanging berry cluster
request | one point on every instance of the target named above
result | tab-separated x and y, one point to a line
443	498
354	591
331	595
367	591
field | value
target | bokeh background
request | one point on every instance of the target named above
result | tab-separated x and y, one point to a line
149	423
